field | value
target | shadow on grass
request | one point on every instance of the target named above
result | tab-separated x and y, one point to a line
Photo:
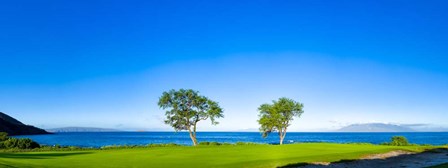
5	165
38	155
307	164
345	161
370	162
440	166
293	165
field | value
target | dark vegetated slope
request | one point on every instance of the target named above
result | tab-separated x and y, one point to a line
15	127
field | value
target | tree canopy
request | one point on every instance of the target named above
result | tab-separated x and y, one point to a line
278	116
185	108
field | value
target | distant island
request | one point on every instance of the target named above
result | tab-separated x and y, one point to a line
375	127
81	129
14	127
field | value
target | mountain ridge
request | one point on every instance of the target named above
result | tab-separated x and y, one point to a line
375	127
82	129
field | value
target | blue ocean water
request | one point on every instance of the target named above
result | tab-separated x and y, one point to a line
98	139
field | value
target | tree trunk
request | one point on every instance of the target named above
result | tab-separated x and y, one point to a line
282	135
281	140
193	136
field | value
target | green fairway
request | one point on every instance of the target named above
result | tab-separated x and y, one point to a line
201	156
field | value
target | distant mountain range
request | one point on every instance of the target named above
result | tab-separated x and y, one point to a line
15	127
81	129
375	127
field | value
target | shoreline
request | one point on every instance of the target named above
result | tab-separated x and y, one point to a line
99	139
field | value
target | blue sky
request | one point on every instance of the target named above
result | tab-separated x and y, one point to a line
105	63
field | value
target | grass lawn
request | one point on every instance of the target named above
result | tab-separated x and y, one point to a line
201	156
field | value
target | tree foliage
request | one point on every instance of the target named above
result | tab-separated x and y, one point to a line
398	141
10	143
3	136
185	108
278	116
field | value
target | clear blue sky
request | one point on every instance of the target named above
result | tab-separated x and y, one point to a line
105	63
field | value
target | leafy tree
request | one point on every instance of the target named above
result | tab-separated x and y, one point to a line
186	108
24	143
399	141
3	136
27	143
11	143
278	116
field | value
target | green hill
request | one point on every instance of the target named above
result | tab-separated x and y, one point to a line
15	127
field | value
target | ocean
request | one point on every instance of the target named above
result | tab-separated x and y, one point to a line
99	139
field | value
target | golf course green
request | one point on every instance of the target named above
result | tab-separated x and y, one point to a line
200	156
